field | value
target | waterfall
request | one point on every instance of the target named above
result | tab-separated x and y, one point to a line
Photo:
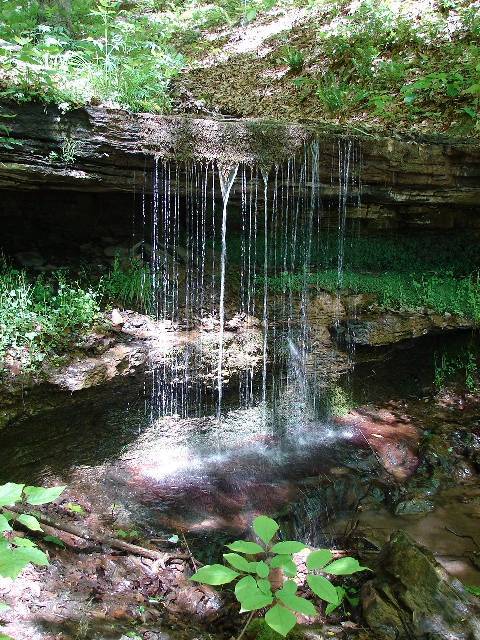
227	177
273	226
265	291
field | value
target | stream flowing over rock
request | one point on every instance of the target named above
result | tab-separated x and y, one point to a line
412	596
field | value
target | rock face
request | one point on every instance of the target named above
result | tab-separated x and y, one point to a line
430	183
412	596
139	342
384	329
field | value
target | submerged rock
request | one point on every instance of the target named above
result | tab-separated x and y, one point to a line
412	596
408	507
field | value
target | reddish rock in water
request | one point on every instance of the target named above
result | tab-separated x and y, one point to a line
391	436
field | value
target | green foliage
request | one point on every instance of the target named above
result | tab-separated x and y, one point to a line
435	273
130	534
15	552
129	284
475	591
439	293
43	317
68	152
40	319
73	507
293	58
98	53
255	588
463	368
6	141
377	58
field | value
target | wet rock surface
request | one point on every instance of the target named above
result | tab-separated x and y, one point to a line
412	596
127	347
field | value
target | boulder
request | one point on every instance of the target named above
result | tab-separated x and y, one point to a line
412	596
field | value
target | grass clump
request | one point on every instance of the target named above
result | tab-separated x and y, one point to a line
463	368
40	319
128	284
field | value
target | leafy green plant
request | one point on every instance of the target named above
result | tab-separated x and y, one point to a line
333	94
293	58
129	284
73	507
475	591
130	534
40	318
17	552
463	368
264	574
6	140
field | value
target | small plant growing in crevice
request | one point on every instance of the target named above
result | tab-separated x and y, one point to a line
68	152
6	141
265	577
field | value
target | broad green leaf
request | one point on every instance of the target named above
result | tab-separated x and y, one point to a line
41	495
255	600
4	526
214	574
262	569
302	605
30	522
264	586
331	607
289	586
240	563
288	546
241	546
32	554
10	493
173	539
24	542
55	540
318	559
4	607
323	588
77	508
280	619
11	564
344	567
3	637
286	563
245	586
265	528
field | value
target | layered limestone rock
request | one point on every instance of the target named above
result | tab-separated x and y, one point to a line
415	183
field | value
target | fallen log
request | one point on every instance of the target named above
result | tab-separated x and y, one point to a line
105	541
